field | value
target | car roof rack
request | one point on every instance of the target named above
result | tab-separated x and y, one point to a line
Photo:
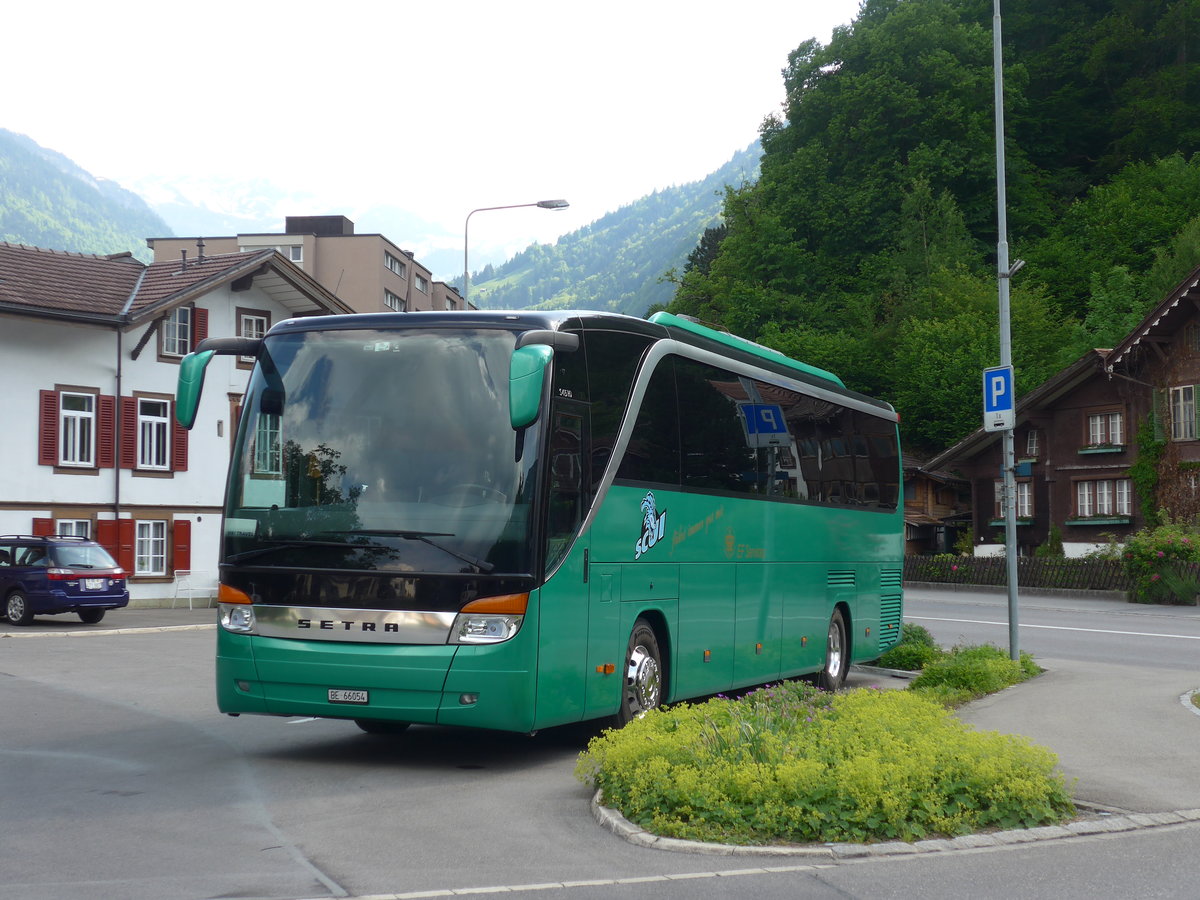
43	537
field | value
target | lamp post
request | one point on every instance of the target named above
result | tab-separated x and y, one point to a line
541	204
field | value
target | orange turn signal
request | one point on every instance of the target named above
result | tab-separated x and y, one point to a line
227	594
504	605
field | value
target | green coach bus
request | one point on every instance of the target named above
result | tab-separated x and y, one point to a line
514	520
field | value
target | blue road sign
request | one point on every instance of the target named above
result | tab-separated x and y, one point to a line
998	401
765	425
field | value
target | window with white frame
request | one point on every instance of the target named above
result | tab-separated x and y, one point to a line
1103	497
1024	498
394	264
268	450
422	284
1032	442
153	434
393	301
77	430
150	548
1106	428
73	527
1183	413
177	332
296	253
251	324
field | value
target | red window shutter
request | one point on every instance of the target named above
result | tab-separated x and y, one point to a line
128	433
181	545
107	432
48	428
200	322
179	447
43	527
126	533
106	536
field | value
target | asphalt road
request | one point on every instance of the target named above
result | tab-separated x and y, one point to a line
119	779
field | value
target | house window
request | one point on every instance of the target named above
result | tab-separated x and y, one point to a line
150	548
395	265
422	284
268	451
1191	337
1106	428
251	323
1107	497
153	435
393	301
1183	413
1032	441
73	527
77	430
177	332
296	253
1024	496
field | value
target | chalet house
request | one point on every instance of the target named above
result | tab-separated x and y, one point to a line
937	506
89	350
1078	435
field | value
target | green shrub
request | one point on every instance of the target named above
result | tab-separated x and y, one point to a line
965	673
786	764
915	649
1152	558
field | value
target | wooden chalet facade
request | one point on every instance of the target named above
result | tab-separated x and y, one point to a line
1077	437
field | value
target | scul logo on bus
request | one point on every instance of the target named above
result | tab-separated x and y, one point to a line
654	525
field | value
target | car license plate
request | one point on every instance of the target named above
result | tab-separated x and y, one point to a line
93	584
339	696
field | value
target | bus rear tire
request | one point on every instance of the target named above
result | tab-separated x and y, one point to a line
381	726
642	687
837	655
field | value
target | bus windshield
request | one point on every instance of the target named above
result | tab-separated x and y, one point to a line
382	449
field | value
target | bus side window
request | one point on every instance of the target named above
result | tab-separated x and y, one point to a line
567	460
653	452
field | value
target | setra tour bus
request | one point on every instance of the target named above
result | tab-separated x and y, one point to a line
519	520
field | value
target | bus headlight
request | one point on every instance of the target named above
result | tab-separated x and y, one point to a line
490	620
239	618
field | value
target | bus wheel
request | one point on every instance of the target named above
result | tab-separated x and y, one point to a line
381	726
643	686
837	655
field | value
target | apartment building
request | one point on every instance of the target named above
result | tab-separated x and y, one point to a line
366	271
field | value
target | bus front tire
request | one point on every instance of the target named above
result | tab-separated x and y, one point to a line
642	689
837	655
381	726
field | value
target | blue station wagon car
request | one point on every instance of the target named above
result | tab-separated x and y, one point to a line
50	575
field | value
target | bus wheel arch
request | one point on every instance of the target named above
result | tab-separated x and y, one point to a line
644	676
837	651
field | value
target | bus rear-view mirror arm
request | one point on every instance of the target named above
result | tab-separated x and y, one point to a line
191	372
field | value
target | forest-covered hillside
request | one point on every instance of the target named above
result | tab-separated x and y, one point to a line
48	201
622	262
868	244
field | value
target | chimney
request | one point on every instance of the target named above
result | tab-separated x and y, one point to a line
183	261
199	249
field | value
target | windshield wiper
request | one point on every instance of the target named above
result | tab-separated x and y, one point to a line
481	565
272	546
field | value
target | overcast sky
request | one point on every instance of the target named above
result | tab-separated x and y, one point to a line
437	106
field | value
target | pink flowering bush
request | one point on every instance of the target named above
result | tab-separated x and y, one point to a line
1156	560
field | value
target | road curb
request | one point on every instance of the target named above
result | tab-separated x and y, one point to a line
1099	822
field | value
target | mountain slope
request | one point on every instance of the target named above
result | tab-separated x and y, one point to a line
48	201
618	262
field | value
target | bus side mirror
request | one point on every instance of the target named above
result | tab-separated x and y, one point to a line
526	379
190	386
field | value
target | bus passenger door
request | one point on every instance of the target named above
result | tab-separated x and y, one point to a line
563	616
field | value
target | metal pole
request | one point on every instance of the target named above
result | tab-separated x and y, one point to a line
1005	276
541	204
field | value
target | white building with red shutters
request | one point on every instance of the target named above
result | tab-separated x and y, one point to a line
89	356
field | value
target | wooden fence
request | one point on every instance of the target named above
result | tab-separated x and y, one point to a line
1043	572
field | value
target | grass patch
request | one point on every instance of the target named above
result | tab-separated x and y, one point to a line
790	764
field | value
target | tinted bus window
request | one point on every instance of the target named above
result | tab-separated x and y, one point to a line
613	359
653	452
716	455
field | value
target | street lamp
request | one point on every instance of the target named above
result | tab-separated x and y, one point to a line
541	204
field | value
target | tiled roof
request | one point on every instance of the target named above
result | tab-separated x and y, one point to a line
74	282
119	289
